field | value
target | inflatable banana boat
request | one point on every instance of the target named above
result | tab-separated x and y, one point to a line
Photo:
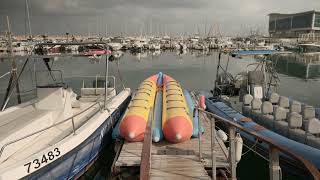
176	123
134	122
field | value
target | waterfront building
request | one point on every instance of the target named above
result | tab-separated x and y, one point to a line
294	25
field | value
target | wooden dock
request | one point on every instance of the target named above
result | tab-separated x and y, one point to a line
175	161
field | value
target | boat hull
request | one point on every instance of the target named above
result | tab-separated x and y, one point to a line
309	153
77	161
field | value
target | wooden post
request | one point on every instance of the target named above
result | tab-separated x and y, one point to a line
146	150
232	152
213	152
274	168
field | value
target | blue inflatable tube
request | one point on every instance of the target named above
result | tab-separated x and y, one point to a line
195	119
157	134
305	151
160	80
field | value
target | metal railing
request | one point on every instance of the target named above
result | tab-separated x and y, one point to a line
5	74
274	149
113	78
49	127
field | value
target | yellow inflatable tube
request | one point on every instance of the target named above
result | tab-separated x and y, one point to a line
176	123
134	122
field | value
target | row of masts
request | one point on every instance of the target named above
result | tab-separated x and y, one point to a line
151	30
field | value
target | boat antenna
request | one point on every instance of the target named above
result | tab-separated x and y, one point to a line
13	74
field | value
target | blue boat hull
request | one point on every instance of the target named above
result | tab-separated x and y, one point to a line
73	164
309	153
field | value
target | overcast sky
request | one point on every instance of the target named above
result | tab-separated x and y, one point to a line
229	17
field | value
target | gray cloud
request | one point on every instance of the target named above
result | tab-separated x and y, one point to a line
134	16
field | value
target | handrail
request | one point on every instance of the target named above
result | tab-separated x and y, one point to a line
4	75
146	150
310	167
44	129
96	79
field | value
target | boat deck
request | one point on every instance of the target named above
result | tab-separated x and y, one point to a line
176	161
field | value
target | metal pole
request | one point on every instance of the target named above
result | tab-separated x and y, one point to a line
13	82
73	127
232	152
274	168
28	18
199	133
213	152
106	79
13	64
217	73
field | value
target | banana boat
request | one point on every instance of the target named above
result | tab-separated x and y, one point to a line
176	123
134	122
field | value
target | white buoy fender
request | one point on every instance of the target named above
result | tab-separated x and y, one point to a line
222	135
239	145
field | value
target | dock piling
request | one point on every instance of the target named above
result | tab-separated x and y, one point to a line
274	167
146	150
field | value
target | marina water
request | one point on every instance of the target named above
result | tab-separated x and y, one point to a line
195	70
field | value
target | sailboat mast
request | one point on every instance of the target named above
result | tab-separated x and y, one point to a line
28	23
106	30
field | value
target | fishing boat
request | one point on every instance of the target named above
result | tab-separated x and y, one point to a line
59	134
250	100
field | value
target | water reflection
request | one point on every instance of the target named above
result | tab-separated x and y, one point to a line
298	65
195	70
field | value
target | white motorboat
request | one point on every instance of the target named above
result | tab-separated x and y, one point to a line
58	135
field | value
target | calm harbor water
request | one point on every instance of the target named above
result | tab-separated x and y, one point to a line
194	70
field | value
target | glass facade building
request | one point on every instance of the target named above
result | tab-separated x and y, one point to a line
292	25
317	20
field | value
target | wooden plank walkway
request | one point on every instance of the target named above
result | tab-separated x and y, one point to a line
177	161
177	167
